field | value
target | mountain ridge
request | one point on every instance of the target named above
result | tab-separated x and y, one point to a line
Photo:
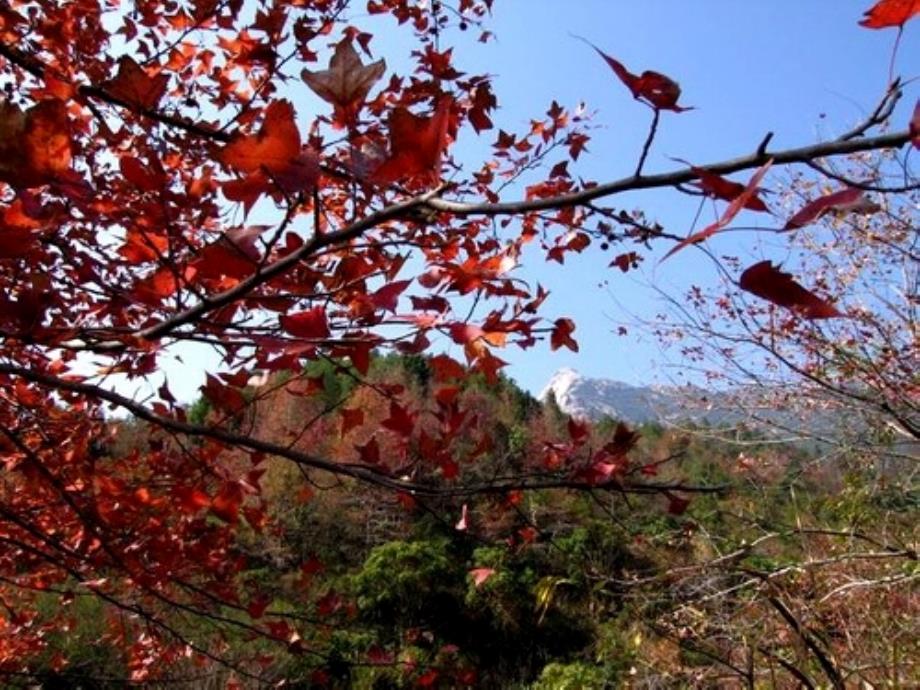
595	398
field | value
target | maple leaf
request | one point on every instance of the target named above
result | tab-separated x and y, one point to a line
445	368
578	431
388	296
310	324
562	335
416	144
625	261
399	421
35	145
351	419
141	176
346	83
135	87
887	13
734	207
273	155
767	281
653	88
369	452
846	200
718	187
226	504
190	499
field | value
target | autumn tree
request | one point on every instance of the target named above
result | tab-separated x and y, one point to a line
137	139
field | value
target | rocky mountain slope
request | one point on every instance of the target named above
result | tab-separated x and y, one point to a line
595	398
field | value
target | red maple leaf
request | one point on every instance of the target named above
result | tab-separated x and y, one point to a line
767	281
734	207
446	368
136	87
718	187
346	83
272	156
144	177
562	335
351	419
369	452
625	261
887	13
653	88
310	324
846	200
35	145
399	421
387	297
226	504
416	144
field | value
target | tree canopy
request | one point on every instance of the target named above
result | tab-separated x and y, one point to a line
137	140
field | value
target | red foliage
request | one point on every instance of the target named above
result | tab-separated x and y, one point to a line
887	13
738	202
121	180
655	89
765	280
845	201
416	144
35	146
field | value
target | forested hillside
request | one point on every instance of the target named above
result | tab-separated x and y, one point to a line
790	559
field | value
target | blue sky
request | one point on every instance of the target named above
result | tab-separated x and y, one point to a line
802	69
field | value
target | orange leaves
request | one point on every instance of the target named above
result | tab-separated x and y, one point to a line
652	88
274	146
135	87
767	281
346	83
739	202
35	145
270	158
887	13
416	144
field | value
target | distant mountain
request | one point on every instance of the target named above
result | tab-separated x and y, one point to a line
774	410
778	412
595	398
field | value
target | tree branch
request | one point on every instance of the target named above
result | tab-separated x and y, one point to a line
802	154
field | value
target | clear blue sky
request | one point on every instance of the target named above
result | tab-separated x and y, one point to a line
801	68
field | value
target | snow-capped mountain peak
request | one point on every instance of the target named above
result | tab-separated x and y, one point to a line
589	397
